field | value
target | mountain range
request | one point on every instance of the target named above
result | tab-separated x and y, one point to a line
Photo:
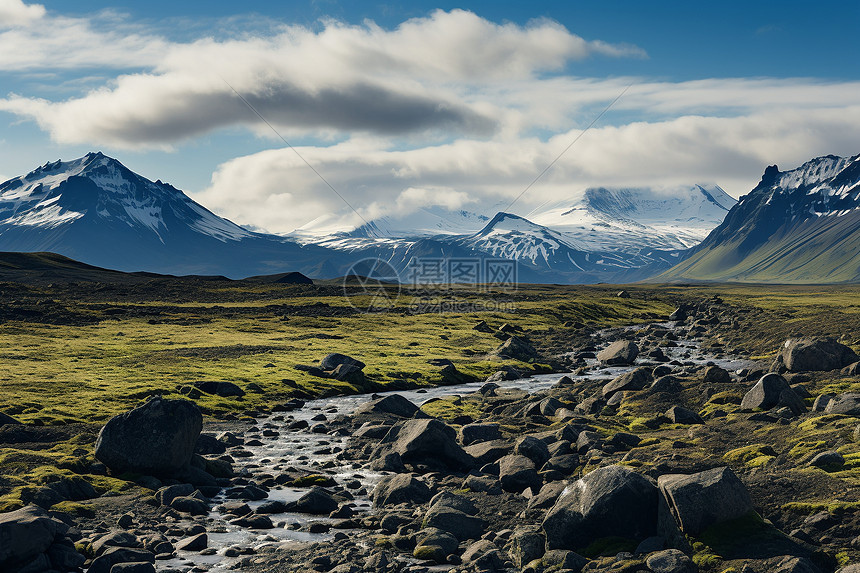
796	226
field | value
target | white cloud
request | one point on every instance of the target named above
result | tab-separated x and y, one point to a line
377	181
16	13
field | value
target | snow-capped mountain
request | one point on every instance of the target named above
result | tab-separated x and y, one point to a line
799	226
628	219
96	210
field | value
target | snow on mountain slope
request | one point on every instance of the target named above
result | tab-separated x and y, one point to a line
97	187
630	219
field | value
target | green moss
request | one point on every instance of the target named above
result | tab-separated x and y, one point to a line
751	456
831	506
312	480
75	508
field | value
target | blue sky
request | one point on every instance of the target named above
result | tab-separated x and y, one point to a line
430	104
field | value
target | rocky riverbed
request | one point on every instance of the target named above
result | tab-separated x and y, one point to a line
660	451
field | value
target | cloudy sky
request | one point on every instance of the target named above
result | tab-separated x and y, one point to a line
401	108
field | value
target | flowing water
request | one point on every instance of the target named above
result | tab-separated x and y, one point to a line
305	449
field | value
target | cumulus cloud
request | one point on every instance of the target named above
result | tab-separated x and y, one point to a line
16	13
346	78
481	174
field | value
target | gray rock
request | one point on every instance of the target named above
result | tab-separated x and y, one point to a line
588	440
474	433
609	501
667	384
790	564
223	389
766	392
565	464
400	488
435	544
426	443
700	500
189	504
114	555
254	521
393	404
133	568
619	353
716	375
532	448
454	501
459	524
157	438
547	495
115	539
483	555
821	402
526	545
197	543
517	349
681	415
316	501
517	473
563	560
64	557
26	534
333	360
847	404
636	379
822	354
168	493
829	459
670	561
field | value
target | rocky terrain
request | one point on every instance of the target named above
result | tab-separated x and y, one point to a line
648	456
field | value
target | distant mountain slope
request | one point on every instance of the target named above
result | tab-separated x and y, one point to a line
94	209
798	226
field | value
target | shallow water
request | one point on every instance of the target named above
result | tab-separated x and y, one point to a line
295	448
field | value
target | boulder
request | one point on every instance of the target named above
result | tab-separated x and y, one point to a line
517	349
681	415
852	369
133	568
400	488
393	404
435	545
827	460
333	360
483	555
157	438
612	501
454	501
636	379
427	443
619	353
847	404
821	354
768	393
488	452
458	523
223	389
517	473
716	375
532	448
670	561
26	534
316	501
700	500
114	555
474	433
526	545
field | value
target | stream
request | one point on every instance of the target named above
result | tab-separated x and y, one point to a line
319	452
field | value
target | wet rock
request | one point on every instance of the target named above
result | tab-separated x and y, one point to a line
133	568
636	379
517	473
619	353
609	501
197	543
114	555
393	404
426	443
670	561
474	433
808	354
254	521
157	438
316	501
400	488
700	500
681	415
532	448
